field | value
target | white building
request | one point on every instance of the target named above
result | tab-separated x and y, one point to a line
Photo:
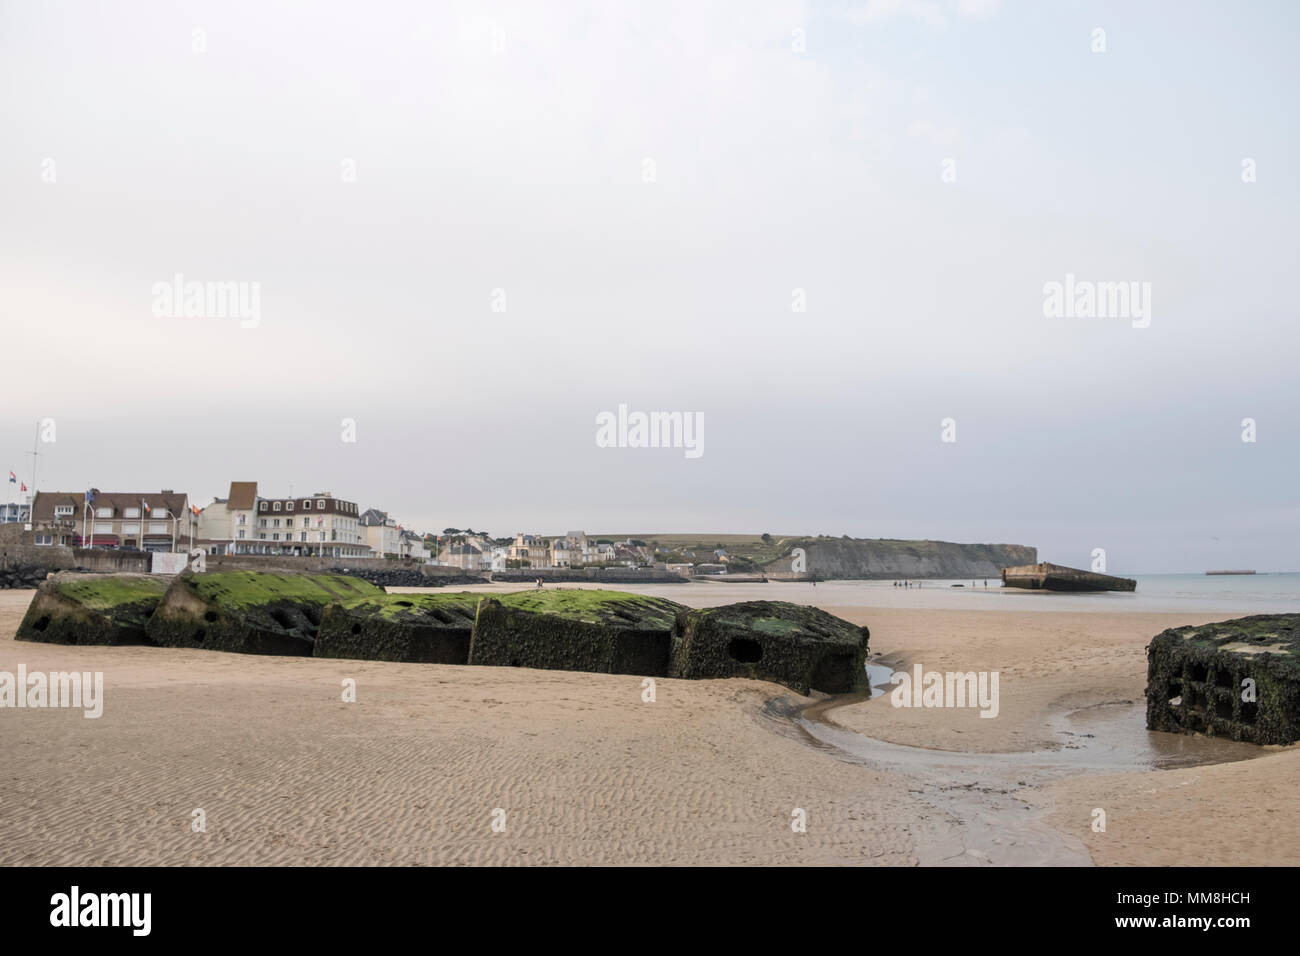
383	537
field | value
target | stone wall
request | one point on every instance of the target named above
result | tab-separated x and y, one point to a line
27	557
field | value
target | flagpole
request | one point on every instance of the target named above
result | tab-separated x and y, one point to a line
36	439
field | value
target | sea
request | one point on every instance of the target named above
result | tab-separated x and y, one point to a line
1241	594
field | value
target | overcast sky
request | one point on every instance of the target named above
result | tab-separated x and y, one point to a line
389	173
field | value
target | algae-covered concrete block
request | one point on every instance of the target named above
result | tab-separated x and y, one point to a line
92	609
426	628
251	612
801	647
608	632
1238	679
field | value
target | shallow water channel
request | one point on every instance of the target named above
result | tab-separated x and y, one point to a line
981	810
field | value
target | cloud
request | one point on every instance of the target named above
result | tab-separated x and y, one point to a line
930	12
978	9
942	136
880	10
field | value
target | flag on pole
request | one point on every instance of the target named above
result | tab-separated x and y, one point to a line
23	486
145	505
12	477
90	496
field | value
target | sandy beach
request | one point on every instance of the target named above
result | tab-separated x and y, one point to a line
711	772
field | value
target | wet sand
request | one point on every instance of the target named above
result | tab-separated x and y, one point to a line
586	772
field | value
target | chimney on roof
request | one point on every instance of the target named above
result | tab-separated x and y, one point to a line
166	491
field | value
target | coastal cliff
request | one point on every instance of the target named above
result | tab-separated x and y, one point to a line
885	558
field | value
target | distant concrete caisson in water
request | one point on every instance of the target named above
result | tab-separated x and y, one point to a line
1056	577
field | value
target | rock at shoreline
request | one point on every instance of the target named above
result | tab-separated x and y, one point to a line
424	628
251	612
1237	679
606	632
74	608
802	647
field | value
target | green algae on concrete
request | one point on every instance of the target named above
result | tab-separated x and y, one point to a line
251	612
802	647
92	609
425	628
608	632
1237	679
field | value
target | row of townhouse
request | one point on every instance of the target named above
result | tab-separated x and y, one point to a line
387	539
575	549
138	521
474	552
246	522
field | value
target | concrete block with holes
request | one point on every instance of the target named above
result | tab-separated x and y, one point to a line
420	628
802	647
251	612
1238	679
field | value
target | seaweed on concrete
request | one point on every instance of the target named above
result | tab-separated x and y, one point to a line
87	609
1238	679
251	612
426	628
609	632
804	648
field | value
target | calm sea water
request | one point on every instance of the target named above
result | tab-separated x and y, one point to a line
1241	594
1231	595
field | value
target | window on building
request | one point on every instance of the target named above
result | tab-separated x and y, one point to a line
160	513
261	522
130	512
307	505
288	506
275	522
61	511
303	536
45	539
242	533
243	518
104	527
276	506
103	512
261	506
158	527
320	503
